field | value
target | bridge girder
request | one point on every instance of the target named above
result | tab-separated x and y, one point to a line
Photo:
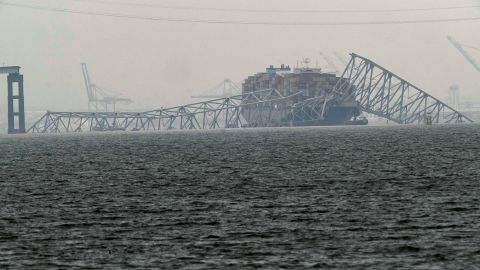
218	113
376	90
381	92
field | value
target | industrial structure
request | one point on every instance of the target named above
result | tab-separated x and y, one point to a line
16	99
469	107
461	49
217	113
279	97
453	96
308	83
340	58
98	98
380	92
226	88
330	63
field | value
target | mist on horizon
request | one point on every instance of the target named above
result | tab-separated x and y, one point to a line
163	63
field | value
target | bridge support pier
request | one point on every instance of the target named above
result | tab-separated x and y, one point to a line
16	105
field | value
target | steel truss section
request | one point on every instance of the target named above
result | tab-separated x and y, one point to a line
381	92
310	110
231	112
370	87
57	122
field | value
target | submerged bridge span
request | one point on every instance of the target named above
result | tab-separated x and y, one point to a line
376	90
246	110
380	92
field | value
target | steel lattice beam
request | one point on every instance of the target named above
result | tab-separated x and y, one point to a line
231	112
380	92
374	90
383	93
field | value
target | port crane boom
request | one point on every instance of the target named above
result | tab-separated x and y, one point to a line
329	62
226	88
465	54
97	96
88	86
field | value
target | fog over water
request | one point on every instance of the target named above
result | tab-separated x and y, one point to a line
159	63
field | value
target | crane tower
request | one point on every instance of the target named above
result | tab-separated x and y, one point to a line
464	52
98	98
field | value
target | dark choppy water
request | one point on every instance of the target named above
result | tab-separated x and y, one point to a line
352	197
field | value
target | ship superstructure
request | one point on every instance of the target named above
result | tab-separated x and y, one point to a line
306	83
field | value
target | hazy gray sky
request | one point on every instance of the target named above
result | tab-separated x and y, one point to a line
159	63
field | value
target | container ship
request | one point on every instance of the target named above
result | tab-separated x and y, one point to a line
307	83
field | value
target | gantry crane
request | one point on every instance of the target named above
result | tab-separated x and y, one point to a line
226	88
340	58
454	88
99	98
330	63
465	54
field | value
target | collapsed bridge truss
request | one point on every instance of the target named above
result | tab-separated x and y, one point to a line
376	90
382	93
385	94
245	110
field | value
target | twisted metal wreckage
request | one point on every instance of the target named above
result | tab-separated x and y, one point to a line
376	90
